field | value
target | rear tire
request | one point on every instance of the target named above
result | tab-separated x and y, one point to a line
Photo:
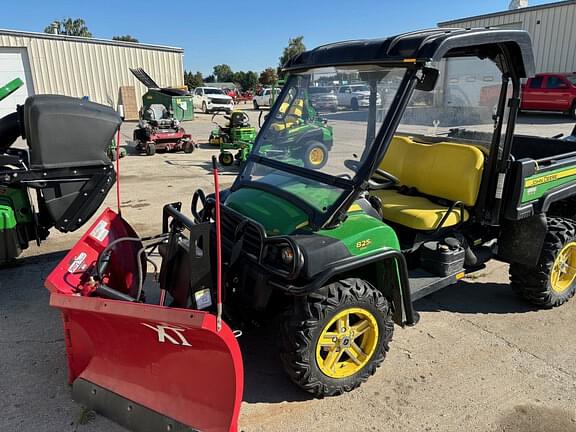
150	149
552	281
308	339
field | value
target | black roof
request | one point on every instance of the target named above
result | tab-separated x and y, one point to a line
422	46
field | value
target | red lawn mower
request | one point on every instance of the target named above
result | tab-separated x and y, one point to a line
158	130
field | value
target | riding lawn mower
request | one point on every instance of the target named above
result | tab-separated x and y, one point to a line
159	130
407	198
237	136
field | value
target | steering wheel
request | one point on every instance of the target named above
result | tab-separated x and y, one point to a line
382	180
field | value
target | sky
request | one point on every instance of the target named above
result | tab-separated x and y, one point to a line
247	35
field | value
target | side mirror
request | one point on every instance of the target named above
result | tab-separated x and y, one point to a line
428	80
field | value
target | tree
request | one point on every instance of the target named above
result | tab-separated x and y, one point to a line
249	81
268	76
193	80
295	46
69	27
210	79
223	73
125	38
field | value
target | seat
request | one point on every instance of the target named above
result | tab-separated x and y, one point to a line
292	118
447	171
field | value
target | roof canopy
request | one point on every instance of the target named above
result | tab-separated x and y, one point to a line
423	46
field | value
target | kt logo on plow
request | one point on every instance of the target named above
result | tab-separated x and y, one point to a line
169	333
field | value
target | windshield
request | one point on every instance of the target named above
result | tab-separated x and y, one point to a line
335	143
213	91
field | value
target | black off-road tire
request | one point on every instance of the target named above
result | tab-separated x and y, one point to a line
533	283
300	332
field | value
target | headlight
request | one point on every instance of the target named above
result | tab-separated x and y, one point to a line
287	255
282	257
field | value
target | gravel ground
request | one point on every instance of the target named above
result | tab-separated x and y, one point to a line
480	359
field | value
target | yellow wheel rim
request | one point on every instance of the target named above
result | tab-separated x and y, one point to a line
347	343
316	156
564	269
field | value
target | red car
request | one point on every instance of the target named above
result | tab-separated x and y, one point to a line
550	92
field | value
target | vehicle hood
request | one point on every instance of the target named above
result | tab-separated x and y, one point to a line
215	96
277	215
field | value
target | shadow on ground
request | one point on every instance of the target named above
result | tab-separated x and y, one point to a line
475	298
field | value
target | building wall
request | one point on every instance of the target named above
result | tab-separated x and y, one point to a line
553	31
78	67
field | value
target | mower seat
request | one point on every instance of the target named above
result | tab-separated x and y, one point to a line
293	116
443	179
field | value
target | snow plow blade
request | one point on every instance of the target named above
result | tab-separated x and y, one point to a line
147	367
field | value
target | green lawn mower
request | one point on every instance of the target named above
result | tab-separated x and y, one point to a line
297	134
235	139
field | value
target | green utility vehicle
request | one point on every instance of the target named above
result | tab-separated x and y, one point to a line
413	194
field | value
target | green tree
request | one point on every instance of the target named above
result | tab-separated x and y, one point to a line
223	73
295	46
69	27
125	38
193	80
268	76
250	81
210	79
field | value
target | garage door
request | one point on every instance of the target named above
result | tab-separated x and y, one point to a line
14	64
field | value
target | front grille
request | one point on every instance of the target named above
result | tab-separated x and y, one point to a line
234	226
220	101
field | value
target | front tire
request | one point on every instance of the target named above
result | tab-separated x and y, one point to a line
188	147
552	281
226	158
150	149
337	338
205	108
256	106
315	155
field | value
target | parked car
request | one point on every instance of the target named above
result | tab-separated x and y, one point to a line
550	92
323	98
211	99
265	97
355	96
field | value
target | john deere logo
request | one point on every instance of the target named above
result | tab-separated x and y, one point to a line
169	333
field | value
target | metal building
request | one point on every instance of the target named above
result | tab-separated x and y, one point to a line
552	27
77	66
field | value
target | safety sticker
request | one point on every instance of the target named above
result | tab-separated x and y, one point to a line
77	262
203	299
100	231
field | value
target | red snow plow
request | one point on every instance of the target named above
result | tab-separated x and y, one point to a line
149	367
